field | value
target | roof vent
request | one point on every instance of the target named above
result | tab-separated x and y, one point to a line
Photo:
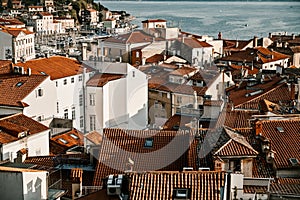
114	184
294	161
181	193
148	142
280	129
188	169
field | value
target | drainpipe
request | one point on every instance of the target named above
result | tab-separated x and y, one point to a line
84	100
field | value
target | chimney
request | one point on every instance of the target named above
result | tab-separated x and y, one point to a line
293	36
84	47
14	60
236	44
28	71
76	178
270	35
220	36
258	128
255	41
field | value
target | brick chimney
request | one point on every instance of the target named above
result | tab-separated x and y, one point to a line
76	178
258	128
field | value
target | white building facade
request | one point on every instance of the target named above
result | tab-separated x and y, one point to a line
120	101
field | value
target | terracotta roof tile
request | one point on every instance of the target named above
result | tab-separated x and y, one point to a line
14	88
55	66
194	43
287	186
235	146
94	137
284	143
59	144
134	141
10	22
249	97
153	20
132	38
183	71
16	31
99	80
162	185
12	125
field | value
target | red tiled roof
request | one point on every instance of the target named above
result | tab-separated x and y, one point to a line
94	137
285	144
55	66
249	55
183	71
213	103
16	31
274	90
59	144
287	186
5	67
194	43
11	126
132	38
235	146
133	141
153	20
99	80
161	185
155	58
235	44
12	94
45	13
14	21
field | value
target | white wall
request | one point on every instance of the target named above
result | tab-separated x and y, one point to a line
37	144
216	87
35	185
41	106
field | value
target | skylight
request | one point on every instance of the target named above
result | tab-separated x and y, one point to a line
43	73
280	129
74	136
19	84
63	141
294	161
148	142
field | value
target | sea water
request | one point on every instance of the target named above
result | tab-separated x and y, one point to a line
236	20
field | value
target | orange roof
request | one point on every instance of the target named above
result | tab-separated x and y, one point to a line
248	97
162	185
59	144
45	13
153	20
194	43
99	80
134	141
94	137
10	22
16	31
55	66
284	141
183	71
11	126
132	37
14	88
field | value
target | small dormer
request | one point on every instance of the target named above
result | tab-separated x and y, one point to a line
22	134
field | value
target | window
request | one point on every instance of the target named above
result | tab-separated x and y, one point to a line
148	142
137	54
40	92
80	100
92	99
66	116
133	74
63	141
92	122
81	122
57	107
179	99
73	113
65	82
72	80
74	136
80	78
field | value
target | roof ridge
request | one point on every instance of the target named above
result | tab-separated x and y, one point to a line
267	92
